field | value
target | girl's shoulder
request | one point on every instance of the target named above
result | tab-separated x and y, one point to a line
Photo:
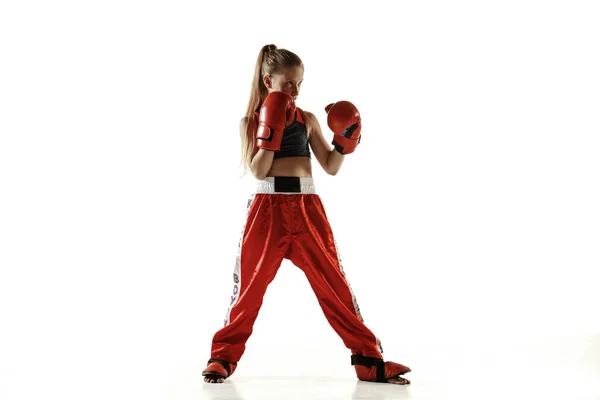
305	115
310	122
309	118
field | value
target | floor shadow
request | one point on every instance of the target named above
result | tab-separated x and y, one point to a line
380	391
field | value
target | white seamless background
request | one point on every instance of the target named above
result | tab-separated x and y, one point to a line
468	214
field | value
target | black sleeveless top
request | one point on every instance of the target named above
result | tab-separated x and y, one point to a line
295	138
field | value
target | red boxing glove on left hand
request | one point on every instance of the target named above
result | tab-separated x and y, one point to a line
343	119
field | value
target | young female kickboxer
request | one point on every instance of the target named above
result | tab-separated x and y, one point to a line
286	219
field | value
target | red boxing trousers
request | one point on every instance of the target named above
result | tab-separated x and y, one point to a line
286	219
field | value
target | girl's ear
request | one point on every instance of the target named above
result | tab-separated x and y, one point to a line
267	81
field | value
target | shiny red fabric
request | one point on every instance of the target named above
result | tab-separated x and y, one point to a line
292	226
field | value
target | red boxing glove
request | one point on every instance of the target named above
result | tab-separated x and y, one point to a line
344	120
277	108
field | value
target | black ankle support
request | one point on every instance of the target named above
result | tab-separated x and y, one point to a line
359	359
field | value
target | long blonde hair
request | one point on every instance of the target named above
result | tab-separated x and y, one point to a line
271	60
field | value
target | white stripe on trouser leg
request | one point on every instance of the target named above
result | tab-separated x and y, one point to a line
354	301
237	270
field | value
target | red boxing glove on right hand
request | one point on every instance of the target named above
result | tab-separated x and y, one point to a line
344	120
277	108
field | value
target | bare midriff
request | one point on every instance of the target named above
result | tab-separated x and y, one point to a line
291	166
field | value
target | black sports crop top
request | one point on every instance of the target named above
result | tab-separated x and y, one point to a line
295	138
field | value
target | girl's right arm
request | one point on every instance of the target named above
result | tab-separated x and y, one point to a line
261	159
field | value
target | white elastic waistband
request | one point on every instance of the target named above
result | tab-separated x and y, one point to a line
306	186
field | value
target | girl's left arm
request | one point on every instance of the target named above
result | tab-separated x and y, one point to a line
329	158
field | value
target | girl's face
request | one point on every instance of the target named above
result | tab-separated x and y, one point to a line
288	81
